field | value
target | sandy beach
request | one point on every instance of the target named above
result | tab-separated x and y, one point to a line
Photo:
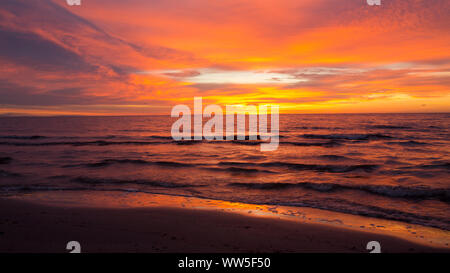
34	227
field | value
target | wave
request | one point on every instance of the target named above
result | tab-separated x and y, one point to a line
328	144
4	173
37	137
166	140
389	127
171	164
317	128
309	167
384	190
23	137
5	160
333	157
239	170
159	142
355	208
114	181
247	142
417	168
13	189
108	162
82	143
187	142
35	188
246	170
161	137
411	143
348	136
436	165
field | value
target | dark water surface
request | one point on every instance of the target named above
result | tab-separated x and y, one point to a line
391	166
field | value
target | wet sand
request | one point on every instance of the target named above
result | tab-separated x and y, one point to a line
32	227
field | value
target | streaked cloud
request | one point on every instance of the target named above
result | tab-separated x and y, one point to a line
112	56
216	76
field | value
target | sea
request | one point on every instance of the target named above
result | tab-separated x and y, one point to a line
388	166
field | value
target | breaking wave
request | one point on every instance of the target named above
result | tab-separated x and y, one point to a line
384	190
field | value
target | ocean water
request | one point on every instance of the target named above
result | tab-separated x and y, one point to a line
390	166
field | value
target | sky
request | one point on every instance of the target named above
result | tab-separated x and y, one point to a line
115	57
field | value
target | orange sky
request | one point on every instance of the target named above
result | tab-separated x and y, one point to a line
144	56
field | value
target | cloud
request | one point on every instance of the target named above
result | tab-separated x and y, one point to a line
219	76
300	54
182	73
32	50
14	94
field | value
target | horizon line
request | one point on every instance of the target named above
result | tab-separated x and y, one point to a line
148	115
